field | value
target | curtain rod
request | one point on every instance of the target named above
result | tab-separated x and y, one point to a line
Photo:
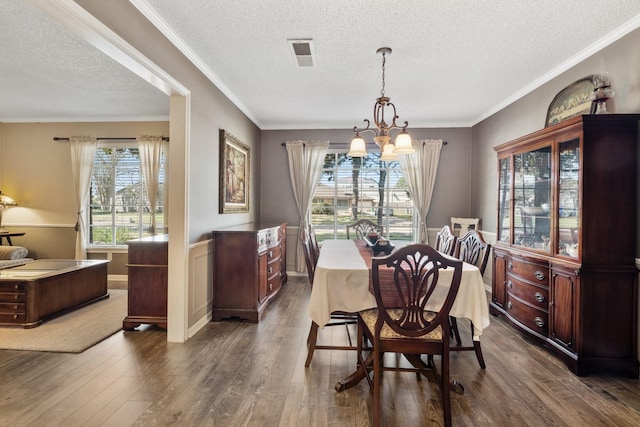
57	138
284	144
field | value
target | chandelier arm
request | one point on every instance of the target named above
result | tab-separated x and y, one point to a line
356	129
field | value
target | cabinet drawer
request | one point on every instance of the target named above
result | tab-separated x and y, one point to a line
534	318
533	272
12	318
273	253
13	297
534	295
273	283
273	268
13	286
12	308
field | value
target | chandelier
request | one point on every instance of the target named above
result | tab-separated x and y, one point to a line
382	130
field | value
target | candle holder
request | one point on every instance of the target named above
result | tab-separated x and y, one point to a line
602	91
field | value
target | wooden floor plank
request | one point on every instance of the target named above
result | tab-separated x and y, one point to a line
234	373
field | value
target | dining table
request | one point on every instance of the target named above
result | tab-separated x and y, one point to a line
342	282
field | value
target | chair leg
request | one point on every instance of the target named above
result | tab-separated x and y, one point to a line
311	342
454	329
377	380
478	350
445	387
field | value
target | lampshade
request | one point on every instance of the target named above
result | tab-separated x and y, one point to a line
6	200
357	148
403	144
388	153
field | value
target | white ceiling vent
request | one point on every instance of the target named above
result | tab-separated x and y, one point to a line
302	51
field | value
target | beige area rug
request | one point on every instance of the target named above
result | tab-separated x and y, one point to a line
75	331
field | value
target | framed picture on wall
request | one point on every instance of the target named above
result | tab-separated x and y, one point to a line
234	174
571	101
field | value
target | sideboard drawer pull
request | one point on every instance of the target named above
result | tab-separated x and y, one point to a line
509	284
539	297
539	275
510	266
539	322
509	305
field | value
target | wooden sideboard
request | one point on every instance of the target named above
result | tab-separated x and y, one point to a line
564	259
148	282
249	269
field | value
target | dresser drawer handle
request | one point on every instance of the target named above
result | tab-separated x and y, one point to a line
539	275
15	287
270	286
15	296
539	297
270	254
539	322
510	266
15	316
509	305
270	270
509	284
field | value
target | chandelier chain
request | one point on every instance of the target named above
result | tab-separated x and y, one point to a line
384	61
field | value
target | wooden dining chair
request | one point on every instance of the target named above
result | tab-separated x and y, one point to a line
461	226
472	249
410	329
338	318
446	240
314	242
362	228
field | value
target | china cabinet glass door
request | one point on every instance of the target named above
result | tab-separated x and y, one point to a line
568	198
504	205
532	199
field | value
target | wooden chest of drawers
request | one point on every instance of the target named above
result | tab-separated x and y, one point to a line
249	269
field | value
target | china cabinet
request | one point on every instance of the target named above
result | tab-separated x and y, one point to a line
564	260
249	269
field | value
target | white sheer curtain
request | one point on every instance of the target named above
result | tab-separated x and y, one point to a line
83	150
419	170
150	155
305	169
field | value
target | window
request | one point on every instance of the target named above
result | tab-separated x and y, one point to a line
119	206
353	188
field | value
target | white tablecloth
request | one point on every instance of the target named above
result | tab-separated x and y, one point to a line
341	283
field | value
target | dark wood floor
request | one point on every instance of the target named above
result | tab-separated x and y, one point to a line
242	374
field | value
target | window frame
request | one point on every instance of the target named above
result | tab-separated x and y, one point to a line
142	208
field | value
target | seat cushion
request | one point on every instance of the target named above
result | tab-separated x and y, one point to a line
370	317
13	252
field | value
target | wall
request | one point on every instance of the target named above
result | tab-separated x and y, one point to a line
528	115
36	171
451	196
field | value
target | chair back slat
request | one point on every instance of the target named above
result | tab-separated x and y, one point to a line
417	273
472	249
446	240
362	228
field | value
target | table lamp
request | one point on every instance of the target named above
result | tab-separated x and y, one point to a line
4	202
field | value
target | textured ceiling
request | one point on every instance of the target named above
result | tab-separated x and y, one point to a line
453	63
